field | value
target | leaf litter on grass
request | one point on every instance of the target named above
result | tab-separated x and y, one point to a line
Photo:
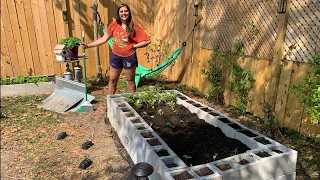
29	148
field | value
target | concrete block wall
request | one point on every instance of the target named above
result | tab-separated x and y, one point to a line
279	164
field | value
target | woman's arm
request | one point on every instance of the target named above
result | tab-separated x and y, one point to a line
98	42
141	44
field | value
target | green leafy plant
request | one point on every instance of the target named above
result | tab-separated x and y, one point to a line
187	157
157	51
214	157
160	112
70	42
22	79
241	84
151	98
308	90
168	124
223	67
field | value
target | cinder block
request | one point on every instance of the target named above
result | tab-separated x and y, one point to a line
227	130
214	176
287	177
173	173
227	174
248	166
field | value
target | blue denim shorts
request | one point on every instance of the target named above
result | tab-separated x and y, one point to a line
119	62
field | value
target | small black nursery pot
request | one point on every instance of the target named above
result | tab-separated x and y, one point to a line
87	145
85	164
62	135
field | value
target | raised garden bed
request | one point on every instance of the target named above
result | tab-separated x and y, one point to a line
204	144
27	85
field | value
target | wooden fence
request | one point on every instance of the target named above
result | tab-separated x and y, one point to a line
30	29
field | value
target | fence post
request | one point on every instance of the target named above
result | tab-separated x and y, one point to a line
274	75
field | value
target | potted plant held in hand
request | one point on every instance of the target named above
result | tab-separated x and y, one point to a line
72	44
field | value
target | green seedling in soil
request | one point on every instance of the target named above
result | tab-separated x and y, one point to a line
214	157
187	157
160	112
168	124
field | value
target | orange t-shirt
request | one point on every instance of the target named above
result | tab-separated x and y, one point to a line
122	44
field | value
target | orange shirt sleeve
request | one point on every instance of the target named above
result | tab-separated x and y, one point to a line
111	28
140	34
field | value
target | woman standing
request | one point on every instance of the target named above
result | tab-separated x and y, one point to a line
127	38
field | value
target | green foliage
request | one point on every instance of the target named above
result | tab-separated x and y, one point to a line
22	79
215	76
241	84
187	156
159	50
168	124
160	112
70	42
309	90
223	65
150	98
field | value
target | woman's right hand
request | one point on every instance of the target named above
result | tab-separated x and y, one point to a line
84	46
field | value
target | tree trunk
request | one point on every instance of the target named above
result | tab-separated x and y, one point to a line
95	37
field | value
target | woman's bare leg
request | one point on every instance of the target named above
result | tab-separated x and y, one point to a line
130	74
114	78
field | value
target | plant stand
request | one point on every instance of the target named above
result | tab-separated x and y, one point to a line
77	74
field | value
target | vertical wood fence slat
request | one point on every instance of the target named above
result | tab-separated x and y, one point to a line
283	90
17	36
39	36
60	27
46	37
294	109
25	37
6	64
10	39
52	35
32	38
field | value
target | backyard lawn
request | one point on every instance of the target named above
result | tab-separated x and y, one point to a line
29	149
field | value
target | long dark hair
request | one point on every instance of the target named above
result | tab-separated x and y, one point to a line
130	25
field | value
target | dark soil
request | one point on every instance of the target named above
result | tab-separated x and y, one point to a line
204	172
248	133
186	134
162	152
183	176
243	162
262	140
277	151
147	134
224	167
263	154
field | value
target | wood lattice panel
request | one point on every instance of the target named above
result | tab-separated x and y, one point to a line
303	30
223	24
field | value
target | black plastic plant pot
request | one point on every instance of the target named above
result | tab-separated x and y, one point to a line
87	145
62	135
85	163
142	170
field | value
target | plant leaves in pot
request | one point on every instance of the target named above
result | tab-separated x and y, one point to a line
72	44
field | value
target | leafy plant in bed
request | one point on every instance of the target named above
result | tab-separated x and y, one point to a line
23	79
182	130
